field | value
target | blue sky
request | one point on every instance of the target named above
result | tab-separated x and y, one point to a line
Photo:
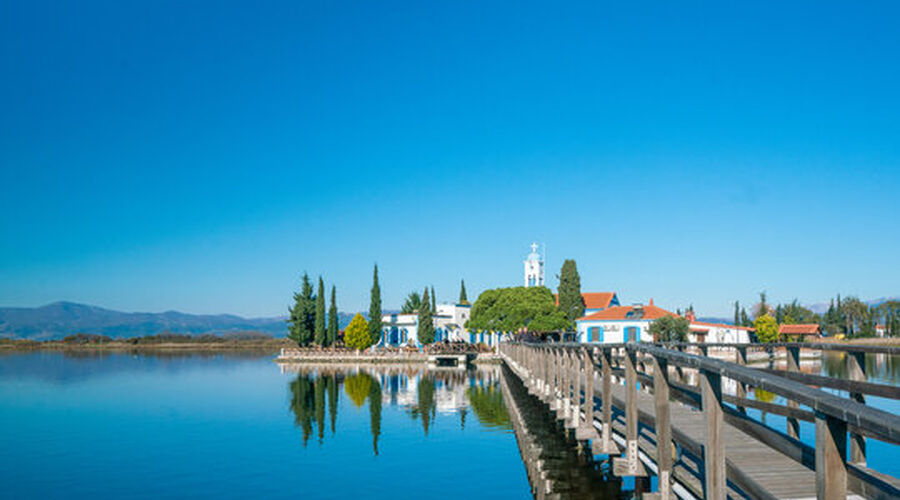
201	156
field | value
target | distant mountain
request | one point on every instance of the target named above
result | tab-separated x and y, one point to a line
59	319
822	307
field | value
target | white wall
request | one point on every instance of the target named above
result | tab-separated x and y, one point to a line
614	330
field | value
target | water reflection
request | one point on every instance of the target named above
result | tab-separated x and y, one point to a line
424	394
557	466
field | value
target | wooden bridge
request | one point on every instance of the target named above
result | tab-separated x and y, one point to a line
702	443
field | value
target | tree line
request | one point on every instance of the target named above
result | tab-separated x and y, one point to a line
848	316
308	324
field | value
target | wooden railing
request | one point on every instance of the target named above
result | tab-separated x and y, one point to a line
561	373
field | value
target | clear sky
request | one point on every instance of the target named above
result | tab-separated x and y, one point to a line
200	156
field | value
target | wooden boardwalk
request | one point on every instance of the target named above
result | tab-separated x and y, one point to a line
759	462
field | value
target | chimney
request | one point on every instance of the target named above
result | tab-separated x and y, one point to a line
690	316
651	301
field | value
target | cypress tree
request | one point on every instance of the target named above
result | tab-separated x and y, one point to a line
302	314
462	292
571	303
426	321
433	301
320	334
332	318
375	308
737	314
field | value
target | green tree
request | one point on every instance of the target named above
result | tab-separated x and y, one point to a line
855	314
510	309
745	319
571	304
301	317
766	328
433	301
375	308
737	313
670	329
357	335
762	307
463	300
320	332
333	317
426	321
412	303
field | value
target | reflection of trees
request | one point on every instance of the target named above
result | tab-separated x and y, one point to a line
879	367
764	396
332	386
425	407
487	403
375	413
357	387
302	404
320	406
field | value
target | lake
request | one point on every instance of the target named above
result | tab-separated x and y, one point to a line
117	425
239	425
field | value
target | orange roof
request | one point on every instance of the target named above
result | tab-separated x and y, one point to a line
594	300
802	329
622	312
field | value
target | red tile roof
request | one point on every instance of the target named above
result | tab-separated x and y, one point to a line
621	312
594	300
803	329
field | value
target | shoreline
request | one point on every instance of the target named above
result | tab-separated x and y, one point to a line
273	345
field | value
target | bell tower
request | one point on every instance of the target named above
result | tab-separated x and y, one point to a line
534	268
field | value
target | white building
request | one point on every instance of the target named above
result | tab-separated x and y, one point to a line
403	329
618	324
534	268
717	333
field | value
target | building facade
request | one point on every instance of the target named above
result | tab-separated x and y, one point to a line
534	268
618	324
400	329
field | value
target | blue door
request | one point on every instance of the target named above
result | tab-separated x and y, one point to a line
632	334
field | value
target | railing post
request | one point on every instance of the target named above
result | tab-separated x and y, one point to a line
663	427
630	465
575	370
605	446
856	370
740	358
793	365
714	450
831	466
585	430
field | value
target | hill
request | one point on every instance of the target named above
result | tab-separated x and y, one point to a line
56	320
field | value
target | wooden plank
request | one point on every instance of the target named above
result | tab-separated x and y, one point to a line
831	465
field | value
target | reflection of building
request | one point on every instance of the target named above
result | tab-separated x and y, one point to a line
403	329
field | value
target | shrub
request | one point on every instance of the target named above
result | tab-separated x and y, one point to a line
357	336
766	328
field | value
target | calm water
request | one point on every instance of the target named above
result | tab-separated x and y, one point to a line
212	425
238	425
880	368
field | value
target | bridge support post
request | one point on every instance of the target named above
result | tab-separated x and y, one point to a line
575	370
856	370
740	358
714	450
663	428
586	430
831	466
793	365
630	465
605	446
